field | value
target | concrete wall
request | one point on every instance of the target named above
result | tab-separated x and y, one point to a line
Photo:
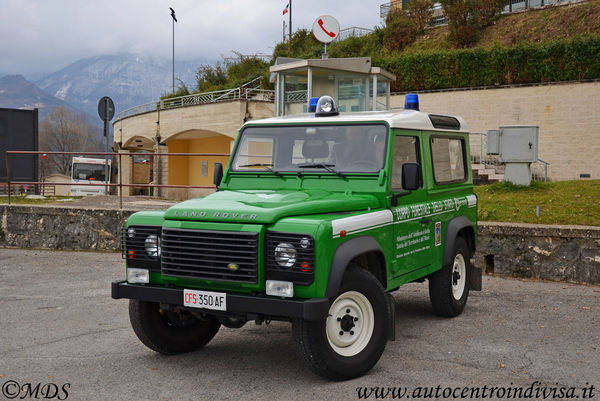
568	116
224	118
570	253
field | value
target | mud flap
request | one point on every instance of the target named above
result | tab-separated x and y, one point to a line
391	309
475	284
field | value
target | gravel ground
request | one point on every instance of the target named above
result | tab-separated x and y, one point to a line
59	325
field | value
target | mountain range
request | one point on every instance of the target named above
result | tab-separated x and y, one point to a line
18	93
129	79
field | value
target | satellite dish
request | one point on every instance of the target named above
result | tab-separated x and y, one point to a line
326	29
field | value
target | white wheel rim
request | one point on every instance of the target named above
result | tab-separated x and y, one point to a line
459	276
350	323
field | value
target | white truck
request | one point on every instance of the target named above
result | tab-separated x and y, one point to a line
87	170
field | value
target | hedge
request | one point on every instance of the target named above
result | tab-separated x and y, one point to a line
565	60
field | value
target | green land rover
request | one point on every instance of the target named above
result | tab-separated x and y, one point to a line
316	220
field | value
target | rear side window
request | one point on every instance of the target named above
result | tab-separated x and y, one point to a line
448	155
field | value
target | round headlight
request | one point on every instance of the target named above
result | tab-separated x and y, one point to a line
285	255
152	245
131	232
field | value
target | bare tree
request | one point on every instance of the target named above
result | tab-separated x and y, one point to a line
65	131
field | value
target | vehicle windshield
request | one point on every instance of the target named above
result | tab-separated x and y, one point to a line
333	148
88	171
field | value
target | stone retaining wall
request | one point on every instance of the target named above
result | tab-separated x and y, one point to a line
569	253
65	228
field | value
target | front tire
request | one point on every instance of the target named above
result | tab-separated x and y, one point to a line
170	332
449	287
352	338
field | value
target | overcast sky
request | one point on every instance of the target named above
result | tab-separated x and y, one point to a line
42	36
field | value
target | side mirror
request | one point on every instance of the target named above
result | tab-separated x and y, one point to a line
218	174
411	176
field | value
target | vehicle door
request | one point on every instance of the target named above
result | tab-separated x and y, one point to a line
413	228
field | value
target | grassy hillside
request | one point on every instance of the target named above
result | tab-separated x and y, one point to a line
533	26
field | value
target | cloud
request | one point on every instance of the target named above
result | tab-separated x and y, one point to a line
44	36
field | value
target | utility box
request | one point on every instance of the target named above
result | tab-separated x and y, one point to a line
493	145
518	144
518	148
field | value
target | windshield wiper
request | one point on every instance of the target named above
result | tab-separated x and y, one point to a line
327	167
267	166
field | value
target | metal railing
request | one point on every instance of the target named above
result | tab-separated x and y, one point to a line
535	167
241	92
352	32
260	94
521	5
120	184
384	9
300	96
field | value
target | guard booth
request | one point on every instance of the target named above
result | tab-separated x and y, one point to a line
353	83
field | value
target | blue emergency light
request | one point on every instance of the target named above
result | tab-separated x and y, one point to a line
312	104
411	101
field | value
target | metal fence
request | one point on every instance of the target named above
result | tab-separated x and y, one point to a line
245	91
352	32
11	185
521	5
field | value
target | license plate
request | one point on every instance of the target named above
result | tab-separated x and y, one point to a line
205	299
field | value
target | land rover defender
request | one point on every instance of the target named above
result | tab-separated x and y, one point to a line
316	219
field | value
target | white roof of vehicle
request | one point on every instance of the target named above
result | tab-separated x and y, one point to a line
407	119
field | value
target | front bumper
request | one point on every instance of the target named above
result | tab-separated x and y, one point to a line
310	309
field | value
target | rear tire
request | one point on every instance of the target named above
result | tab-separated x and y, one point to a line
170	332
351	340
449	287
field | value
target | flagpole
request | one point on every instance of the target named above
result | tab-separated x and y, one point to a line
290	20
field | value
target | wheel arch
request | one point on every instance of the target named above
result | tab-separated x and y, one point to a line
366	252
458	226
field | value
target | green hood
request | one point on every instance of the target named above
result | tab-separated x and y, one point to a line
267	206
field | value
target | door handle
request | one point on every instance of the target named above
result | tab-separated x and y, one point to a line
425	221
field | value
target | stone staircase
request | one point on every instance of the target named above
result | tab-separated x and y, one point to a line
487	174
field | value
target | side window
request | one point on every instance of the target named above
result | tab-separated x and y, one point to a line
448	155
406	150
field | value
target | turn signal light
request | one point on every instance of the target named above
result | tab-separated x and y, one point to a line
131	254
305	267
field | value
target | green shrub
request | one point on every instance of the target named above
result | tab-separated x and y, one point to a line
568	60
400	31
466	18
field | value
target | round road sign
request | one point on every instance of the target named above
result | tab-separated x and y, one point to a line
326	28
106	108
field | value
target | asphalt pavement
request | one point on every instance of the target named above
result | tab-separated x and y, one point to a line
60	327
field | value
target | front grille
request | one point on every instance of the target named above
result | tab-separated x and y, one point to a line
210	255
294	273
133	247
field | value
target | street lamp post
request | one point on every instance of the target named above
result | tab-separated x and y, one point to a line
174	21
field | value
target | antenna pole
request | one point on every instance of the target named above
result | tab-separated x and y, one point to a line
290	20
